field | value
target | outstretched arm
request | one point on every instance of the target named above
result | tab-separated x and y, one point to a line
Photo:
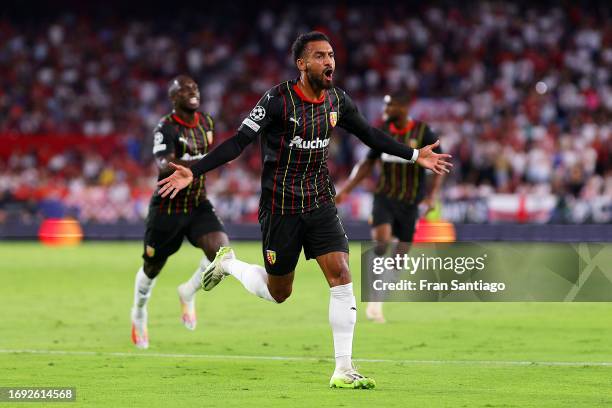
226	152
354	122
183	176
379	140
266	110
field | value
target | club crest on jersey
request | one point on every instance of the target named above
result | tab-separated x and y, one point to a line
333	118
271	256
150	251
258	113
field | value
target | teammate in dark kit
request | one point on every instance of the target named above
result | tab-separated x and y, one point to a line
401	185
183	137
294	121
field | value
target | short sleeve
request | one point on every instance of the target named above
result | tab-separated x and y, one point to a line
210	128
209	121
164	140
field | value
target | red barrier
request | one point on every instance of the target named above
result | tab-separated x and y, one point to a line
434	231
60	232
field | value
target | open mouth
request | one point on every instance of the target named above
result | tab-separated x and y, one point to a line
194	100
328	74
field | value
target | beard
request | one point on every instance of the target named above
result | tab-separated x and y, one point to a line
318	81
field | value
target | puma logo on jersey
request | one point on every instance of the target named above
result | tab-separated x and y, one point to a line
300	143
297	121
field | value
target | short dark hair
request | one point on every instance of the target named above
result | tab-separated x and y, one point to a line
175	84
402	97
297	49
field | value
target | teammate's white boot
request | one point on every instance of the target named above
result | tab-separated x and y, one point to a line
374	312
215	273
140	336
188	310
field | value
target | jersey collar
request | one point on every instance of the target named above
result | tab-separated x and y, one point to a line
305	99
195	123
403	131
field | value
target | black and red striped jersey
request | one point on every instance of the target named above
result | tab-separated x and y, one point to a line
400	180
188	141
295	134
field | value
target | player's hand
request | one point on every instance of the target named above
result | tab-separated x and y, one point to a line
429	159
341	196
175	182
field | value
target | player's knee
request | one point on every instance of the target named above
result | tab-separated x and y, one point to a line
380	247
340	273
281	294
152	269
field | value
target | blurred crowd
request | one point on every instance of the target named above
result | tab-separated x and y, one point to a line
82	184
520	94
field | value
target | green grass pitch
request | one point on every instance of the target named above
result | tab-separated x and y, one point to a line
65	322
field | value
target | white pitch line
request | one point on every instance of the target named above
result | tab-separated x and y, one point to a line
297	358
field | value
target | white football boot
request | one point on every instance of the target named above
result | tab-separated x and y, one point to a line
188	310
215	273
140	336
374	312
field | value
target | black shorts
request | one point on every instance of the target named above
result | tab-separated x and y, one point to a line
402	216
165	232
319	231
